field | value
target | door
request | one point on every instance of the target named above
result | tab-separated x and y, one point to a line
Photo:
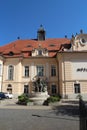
26	89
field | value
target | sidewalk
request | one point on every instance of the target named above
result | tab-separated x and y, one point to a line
11	104
25	107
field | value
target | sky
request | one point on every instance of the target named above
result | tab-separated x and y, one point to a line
22	18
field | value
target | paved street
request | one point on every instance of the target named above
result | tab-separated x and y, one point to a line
14	117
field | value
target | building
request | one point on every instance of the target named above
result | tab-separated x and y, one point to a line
60	61
73	68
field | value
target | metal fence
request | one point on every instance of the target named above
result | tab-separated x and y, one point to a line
83	115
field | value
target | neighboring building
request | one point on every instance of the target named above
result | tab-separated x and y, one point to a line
73	68
61	61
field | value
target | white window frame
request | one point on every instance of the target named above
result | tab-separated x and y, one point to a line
77	88
26	76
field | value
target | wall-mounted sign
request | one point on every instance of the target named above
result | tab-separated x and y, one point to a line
81	70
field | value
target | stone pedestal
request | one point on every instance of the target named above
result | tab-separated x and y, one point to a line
38	98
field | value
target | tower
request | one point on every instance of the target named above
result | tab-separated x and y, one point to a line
41	33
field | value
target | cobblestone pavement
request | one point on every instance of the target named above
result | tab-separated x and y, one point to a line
15	117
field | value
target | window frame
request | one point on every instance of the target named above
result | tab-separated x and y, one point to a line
26	71
9	88
26	89
38	68
53	70
53	90
40	52
10	74
77	88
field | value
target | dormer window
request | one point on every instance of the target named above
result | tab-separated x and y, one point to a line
51	45
40	52
28	45
11	53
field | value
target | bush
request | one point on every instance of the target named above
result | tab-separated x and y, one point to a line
23	99
79	96
53	99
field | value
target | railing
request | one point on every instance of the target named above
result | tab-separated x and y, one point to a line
83	114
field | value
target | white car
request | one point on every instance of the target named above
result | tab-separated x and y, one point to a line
8	95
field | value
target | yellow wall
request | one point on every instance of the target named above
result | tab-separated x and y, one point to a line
19	79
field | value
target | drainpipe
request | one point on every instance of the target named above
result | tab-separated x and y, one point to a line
64	78
58	76
2	74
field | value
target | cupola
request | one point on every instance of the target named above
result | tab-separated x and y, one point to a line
41	33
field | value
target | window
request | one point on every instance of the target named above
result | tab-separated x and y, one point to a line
10	72
11	53
9	88
9	85
53	89
53	70
77	88
26	89
40	70
52	45
26	73
39	52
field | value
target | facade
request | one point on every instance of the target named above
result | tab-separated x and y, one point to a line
73	68
62	62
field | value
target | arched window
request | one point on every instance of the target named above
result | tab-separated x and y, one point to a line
10	72
9	88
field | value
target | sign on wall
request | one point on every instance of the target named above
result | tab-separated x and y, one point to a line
79	70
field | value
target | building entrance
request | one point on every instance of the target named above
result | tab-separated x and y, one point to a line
26	89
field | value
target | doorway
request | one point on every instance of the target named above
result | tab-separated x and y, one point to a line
26	89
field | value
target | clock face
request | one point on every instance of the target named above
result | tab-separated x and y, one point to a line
83	42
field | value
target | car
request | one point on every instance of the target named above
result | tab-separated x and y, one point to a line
2	95
8	95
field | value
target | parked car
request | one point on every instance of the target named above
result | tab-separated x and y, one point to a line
2	95
8	95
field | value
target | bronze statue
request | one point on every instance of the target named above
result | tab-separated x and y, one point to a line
40	85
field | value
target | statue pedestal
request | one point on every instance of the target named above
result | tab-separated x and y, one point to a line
39	97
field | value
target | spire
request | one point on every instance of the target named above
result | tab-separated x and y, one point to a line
41	33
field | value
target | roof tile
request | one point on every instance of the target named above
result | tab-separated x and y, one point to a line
21	46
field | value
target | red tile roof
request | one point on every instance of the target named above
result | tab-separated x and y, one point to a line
26	46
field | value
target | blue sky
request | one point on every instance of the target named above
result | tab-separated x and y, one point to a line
23	17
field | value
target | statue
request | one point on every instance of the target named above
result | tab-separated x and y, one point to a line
39	93
40	85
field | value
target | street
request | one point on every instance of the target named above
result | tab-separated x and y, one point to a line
14	117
